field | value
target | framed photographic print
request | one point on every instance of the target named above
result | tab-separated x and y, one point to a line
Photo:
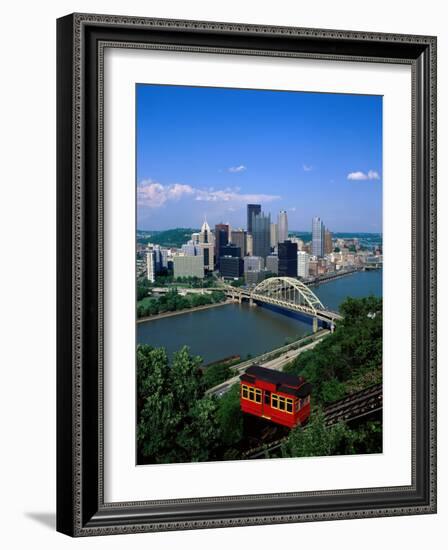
246	274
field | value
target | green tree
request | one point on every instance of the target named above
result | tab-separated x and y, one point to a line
230	417
318	440
216	374
176	422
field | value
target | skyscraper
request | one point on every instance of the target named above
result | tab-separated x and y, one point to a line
318	233
261	233
282	226
221	238
274	235
287	259
207	245
239	238
328	242
252	209
151	265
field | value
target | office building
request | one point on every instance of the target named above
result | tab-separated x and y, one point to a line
151	265
188	266
238	237
252	210
221	238
328	242
207	245
231	267
253	263
274	235
249	245
272	263
318	235
287	259
303	264
261	233
230	250
282	226
252	278
191	249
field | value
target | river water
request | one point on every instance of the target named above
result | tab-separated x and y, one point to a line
234	329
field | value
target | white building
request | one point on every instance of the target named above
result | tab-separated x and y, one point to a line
249	244
282	226
151	265
188	266
303	264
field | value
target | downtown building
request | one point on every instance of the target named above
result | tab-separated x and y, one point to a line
206	243
317	239
303	264
222	238
231	267
261	234
282	226
253	270
287	259
188	266
252	210
238	237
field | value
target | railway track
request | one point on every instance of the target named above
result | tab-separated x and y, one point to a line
352	407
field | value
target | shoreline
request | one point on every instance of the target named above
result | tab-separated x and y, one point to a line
182	311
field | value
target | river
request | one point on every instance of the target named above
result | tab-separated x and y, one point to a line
242	330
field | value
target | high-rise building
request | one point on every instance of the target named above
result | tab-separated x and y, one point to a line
188	266
303	264
249	244
207	245
287	259
151	265
261	233
282	226
274	235
272	263
318	235
328	242
252	210
230	250
191	249
239	239
253	263
221	238
230	267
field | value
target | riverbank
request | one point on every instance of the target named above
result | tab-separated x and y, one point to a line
180	312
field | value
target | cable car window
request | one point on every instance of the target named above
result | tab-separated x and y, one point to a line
244	392
251	394
258	396
289	405
274	401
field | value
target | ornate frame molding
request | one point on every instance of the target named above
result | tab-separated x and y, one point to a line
81	42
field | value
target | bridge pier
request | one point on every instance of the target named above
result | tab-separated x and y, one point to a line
315	324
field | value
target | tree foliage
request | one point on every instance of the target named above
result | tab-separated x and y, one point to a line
353	350
316	439
176	422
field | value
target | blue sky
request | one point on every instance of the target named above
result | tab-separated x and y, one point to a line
210	151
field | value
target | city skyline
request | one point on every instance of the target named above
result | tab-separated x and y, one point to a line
205	152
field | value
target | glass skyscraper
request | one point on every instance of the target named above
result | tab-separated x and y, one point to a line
261	232
318	238
252	209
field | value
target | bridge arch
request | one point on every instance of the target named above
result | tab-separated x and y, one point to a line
288	289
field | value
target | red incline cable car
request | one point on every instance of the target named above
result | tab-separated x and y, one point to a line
276	396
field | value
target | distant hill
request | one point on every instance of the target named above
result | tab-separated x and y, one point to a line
170	238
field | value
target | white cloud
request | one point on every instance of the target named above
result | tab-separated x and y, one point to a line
236	169
292	209
153	194
362	176
307	168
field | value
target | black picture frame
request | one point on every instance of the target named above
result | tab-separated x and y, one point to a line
81	510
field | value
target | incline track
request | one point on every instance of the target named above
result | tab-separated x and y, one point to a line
352	407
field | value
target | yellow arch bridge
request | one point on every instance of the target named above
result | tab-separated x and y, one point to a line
290	294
